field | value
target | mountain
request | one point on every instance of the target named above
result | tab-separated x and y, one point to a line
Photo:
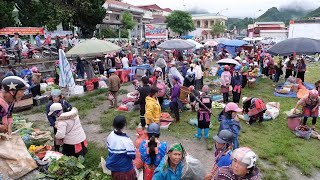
238	23
283	15
315	13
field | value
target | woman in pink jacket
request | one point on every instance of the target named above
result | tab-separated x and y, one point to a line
225	83
69	131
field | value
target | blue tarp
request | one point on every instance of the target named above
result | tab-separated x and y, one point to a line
186	37
292	94
231	46
234	42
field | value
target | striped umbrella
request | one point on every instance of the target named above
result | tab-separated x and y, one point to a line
65	77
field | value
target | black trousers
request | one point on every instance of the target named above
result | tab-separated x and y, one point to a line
70	150
236	97
175	108
225	97
301	76
142	118
244	81
160	99
288	73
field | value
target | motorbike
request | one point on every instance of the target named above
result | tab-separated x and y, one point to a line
31	53
49	51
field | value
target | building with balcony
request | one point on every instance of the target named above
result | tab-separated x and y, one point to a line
204	23
114	9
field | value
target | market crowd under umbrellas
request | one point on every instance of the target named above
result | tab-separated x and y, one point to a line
219	93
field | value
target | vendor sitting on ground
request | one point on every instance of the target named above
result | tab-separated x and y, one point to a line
243	166
254	108
310	106
223	145
70	133
255	72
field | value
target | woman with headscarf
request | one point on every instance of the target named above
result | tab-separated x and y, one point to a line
225	83
175	94
310	107
236	82
172	164
204	113
301	67
243	166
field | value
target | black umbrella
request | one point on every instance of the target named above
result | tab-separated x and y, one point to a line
298	45
178	44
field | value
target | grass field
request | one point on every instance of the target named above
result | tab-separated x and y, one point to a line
277	147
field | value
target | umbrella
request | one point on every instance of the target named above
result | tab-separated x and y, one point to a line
198	45
248	39
228	61
211	43
204	41
234	43
65	77
298	45
178	44
220	40
92	47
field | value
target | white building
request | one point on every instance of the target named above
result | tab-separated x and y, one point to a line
114	9
305	29
204	23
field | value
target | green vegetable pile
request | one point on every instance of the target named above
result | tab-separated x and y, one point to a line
71	168
18	122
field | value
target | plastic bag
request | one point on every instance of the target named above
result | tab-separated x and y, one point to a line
303	132
193	169
273	113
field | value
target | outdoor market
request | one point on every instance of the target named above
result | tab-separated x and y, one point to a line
161	107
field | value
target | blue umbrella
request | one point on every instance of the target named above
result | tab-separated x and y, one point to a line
65	77
234	42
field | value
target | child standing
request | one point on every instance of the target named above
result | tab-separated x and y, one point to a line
204	113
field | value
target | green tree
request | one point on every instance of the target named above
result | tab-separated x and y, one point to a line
127	20
180	22
87	14
29	12
6	19
217	28
108	33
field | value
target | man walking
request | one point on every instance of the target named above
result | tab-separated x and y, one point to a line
114	83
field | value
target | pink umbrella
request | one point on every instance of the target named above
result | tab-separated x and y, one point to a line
211	43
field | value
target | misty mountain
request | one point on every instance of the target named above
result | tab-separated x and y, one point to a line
315	13
283	15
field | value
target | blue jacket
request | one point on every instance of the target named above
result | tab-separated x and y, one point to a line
167	174
224	160
184	70
121	152
162	149
234	127
65	106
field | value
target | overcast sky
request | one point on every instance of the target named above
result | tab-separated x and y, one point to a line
236	8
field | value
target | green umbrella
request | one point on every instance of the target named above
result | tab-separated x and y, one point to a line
92	47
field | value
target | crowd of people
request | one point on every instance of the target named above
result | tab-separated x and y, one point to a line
173	73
